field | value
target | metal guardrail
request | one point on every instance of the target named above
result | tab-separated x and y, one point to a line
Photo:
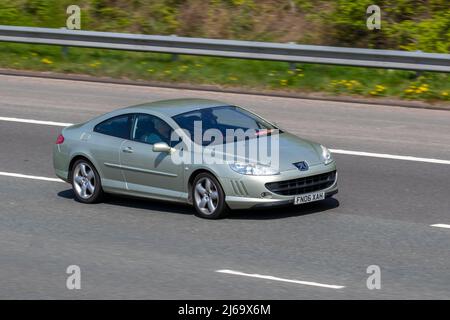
388	59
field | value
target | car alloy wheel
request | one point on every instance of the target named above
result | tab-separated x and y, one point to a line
208	197
84	179
86	182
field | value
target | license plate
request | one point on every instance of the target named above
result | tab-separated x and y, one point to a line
305	198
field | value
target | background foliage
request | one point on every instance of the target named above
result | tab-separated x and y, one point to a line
406	24
409	25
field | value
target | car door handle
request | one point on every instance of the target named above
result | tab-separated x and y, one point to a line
127	150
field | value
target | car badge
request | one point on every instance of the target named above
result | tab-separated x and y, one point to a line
302	165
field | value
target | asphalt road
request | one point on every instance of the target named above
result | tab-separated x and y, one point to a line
139	249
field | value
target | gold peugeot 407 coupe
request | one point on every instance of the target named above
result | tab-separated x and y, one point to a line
210	154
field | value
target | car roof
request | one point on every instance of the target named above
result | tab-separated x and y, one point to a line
173	107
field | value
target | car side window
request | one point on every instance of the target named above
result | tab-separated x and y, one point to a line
150	129
119	126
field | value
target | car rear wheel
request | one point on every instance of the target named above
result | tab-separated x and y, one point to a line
208	197
86	182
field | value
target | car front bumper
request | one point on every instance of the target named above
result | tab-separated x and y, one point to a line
251	192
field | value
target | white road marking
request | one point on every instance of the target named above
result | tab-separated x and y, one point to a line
25	176
260	276
389	156
18	175
48	123
338	151
441	225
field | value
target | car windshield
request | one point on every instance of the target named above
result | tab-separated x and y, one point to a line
224	118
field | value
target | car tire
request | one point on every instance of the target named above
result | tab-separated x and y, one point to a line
208	197
86	183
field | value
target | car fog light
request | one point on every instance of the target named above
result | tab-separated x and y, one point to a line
266	195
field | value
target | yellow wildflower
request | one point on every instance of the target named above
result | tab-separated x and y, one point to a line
95	64
46	61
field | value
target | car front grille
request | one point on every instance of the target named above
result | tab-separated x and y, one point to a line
303	185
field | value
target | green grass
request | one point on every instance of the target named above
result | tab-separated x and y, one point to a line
251	74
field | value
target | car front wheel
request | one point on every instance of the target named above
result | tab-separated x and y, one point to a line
86	182
208	197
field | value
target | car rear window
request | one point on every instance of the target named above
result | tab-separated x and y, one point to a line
118	126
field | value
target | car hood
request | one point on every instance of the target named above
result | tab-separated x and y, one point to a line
293	149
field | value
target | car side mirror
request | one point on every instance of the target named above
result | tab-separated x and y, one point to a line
161	147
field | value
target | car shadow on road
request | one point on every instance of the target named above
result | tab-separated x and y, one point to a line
250	214
138	203
285	211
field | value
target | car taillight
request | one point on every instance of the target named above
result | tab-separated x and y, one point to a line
60	139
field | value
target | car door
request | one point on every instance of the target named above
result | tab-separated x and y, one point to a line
148	172
105	142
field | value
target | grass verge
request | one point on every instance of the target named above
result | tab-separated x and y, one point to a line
252	74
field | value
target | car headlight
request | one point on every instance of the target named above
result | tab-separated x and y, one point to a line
326	155
253	169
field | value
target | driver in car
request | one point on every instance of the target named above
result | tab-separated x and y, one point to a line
160	134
